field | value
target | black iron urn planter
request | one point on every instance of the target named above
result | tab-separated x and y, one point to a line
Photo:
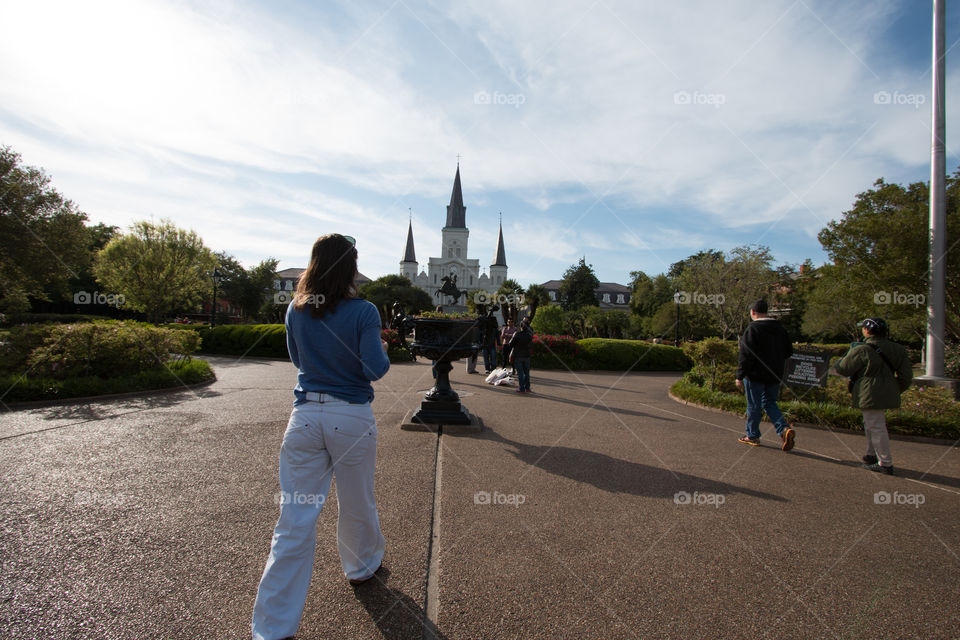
443	340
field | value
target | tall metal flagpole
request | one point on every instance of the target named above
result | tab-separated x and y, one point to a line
936	306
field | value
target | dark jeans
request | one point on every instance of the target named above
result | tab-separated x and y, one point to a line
506	357
523	373
490	358
762	397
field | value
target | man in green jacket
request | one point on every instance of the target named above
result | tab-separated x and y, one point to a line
879	372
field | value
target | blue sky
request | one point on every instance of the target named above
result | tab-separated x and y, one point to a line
630	133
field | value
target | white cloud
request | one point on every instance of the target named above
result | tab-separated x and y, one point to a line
265	126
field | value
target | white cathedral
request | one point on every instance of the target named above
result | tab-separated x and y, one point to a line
453	260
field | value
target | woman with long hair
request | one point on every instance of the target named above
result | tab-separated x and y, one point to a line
334	340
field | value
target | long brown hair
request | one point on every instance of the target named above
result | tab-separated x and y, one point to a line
330	276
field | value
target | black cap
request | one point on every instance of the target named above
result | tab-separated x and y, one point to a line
874	325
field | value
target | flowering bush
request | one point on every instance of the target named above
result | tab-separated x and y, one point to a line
392	338
557	345
951	360
935	402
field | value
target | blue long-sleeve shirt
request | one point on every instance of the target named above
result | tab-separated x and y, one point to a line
339	354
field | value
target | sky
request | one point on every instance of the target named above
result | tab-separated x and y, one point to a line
630	133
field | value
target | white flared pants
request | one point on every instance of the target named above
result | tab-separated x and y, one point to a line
322	440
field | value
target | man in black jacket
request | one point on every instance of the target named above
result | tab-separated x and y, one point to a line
764	349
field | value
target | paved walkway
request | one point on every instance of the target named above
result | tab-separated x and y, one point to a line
595	508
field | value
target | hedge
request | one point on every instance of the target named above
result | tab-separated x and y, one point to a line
548	352
20	388
829	414
269	340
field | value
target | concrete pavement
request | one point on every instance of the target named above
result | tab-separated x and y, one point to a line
594	508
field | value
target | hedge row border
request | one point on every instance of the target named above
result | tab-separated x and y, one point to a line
806	425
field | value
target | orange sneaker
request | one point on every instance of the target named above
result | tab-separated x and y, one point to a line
789	435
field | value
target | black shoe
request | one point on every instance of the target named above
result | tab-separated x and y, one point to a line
879	468
869	459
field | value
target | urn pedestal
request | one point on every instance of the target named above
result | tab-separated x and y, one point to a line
443	341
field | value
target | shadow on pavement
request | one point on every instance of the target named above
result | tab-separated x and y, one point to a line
397	615
600	405
616	475
107	408
920	476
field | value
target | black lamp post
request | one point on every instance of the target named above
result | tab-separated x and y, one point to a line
676	328
215	276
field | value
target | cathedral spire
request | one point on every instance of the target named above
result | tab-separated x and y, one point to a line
410	255
456	212
501	259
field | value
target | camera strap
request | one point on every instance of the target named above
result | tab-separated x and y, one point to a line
889	364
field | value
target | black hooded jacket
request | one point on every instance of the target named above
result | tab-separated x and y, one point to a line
764	349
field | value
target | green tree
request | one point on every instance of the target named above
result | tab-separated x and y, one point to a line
509	296
386	290
549	320
882	246
536	297
717	289
579	286
157	268
245	289
834	305
43	240
647	296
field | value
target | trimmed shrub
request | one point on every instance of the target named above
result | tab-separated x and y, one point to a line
18	343
107	349
268	340
714	363
173	374
633	355
52	318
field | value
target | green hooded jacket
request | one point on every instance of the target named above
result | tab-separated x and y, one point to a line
875	386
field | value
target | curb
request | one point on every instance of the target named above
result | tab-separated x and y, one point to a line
804	425
39	404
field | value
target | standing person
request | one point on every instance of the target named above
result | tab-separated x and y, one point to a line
491	338
506	334
520	350
334	341
879	372
764	349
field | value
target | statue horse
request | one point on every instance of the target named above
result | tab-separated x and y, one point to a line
449	288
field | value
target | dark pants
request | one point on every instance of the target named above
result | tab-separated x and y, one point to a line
762	397
523	373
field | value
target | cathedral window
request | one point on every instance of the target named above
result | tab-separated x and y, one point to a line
458	252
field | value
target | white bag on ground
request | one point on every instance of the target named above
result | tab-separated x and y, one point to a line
499	376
